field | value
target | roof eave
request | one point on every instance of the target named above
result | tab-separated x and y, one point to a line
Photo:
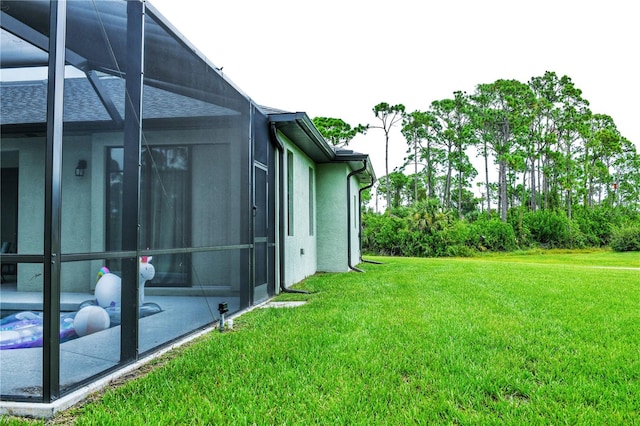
299	128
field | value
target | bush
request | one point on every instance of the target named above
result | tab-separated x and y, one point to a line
523	236
426	230
492	235
418	244
450	240
383	234
626	238
595	223
553	229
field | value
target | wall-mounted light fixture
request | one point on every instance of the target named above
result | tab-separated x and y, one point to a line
81	167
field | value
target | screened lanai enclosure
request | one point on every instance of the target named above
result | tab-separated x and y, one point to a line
136	193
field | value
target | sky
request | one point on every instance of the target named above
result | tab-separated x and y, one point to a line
341	58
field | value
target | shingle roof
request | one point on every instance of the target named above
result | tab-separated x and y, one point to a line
25	102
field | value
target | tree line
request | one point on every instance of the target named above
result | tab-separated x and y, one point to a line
540	147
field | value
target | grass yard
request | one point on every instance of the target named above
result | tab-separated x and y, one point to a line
528	338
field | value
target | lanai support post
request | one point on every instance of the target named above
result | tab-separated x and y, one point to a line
52	203
131	180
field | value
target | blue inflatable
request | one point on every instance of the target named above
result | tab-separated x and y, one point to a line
115	314
25	329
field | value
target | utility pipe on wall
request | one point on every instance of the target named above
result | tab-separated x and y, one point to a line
355	172
364	188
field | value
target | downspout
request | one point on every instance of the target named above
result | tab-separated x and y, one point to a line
364	188
281	206
355	172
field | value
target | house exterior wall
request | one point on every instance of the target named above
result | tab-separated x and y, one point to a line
30	163
300	248
332	217
83	203
170	166
82	217
354	220
333	225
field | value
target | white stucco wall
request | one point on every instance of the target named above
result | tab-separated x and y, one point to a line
332	218
215	200
77	202
300	248
30	204
215	194
354	221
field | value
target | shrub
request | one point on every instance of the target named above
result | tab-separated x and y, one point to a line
595	223
450	240
426	230
553	229
493	235
418	244
383	234
523	236
626	238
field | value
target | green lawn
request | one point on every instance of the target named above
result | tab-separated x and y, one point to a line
526	338
591	257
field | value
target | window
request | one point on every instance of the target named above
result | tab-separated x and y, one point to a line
290	197
165	206
311	201
165	182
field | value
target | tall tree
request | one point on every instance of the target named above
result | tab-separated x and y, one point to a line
602	147
484	127
338	132
504	109
626	176
419	127
389	116
458	135
572	126
464	138
399	185
546	90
